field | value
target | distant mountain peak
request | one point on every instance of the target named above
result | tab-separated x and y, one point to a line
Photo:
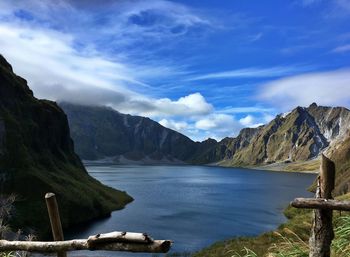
313	105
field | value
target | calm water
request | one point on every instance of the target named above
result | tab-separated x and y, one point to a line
195	205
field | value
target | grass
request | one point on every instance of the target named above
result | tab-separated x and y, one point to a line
341	244
289	240
311	165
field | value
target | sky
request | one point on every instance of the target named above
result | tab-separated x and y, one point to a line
203	68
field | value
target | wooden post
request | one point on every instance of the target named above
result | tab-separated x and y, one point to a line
56	226
322	229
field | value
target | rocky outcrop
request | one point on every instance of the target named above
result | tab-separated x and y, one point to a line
37	156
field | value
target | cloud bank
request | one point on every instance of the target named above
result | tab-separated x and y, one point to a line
330	88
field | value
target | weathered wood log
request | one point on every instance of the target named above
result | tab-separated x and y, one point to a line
324	204
130	242
120	237
55	220
322	229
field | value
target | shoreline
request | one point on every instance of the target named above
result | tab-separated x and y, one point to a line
295	167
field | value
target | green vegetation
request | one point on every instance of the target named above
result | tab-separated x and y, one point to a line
289	240
310	165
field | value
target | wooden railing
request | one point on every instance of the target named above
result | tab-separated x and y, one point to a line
114	241
323	204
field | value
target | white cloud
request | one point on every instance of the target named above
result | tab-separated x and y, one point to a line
325	88
220	125
191	105
342	49
178	126
247	120
252	73
252	122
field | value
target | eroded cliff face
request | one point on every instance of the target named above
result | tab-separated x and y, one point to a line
37	156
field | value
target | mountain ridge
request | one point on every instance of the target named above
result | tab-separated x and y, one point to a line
299	135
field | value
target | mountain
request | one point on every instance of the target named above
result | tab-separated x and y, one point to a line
101	132
37	156
298	136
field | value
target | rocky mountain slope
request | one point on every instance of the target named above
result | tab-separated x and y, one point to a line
101	132
298	136
37	156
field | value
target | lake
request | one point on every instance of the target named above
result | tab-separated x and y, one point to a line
195	206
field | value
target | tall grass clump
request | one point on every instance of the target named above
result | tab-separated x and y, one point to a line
245	253
291	245
341	242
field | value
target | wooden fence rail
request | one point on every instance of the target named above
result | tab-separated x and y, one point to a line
114	241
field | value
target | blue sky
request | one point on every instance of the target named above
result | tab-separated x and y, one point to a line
203	68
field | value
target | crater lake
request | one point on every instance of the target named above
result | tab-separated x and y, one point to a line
194	206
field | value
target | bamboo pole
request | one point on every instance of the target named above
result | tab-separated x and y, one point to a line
325	204
322	229
115	241
55	220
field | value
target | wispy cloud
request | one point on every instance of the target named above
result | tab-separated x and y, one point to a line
335	8
325	88
249	109
341	49
309	2
252	73
256	37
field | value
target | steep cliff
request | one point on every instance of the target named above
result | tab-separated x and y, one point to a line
37	156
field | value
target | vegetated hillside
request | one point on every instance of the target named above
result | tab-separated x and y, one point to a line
37	156
101	132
